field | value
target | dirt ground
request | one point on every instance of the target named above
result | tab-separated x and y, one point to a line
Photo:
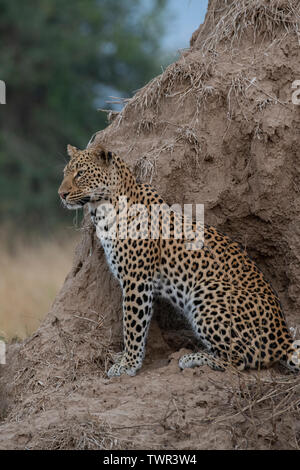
161	408
217	127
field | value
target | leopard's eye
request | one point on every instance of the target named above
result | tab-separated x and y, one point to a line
79	173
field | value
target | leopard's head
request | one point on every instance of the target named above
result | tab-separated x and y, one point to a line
88	177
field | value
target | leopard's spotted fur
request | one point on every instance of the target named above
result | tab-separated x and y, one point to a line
230	305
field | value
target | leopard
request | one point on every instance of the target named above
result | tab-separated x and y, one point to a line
233	310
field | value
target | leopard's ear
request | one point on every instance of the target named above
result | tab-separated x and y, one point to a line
72	151
102	155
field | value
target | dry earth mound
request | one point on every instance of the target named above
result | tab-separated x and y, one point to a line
216	127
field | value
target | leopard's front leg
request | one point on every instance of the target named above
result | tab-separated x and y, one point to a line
137	312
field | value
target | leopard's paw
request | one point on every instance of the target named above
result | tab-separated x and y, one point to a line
118	369
200	359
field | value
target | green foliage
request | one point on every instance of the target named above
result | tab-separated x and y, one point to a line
57	57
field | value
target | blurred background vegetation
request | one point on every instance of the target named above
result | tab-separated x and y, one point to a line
61	60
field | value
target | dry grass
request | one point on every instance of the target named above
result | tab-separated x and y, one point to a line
264	411
32	274
190	76
82	432
261	412
264	19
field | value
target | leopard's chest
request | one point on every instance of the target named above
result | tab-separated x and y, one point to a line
112	256
104	224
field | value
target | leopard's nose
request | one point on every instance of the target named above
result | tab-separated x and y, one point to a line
63	194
